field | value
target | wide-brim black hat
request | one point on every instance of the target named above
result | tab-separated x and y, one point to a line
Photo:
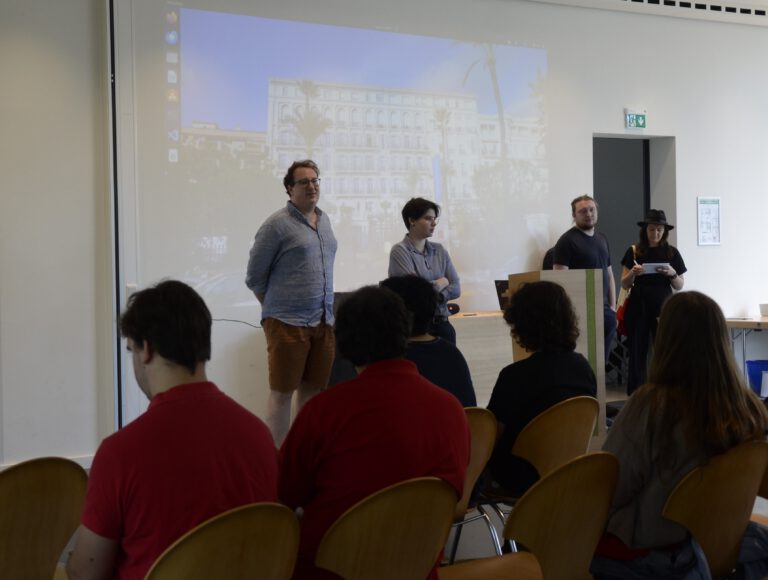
658	217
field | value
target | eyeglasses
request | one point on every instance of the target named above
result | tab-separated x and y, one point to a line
306	181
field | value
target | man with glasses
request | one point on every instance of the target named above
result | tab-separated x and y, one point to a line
582	247
290	271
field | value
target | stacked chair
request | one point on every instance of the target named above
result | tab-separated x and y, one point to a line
482	428
714	502
258	540
551	439
397	532
40	505
559	520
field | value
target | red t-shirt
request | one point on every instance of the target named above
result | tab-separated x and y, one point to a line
387	425
194	454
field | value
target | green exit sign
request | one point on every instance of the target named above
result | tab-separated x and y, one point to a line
634	120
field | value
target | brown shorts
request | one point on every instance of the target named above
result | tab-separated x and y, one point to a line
298	354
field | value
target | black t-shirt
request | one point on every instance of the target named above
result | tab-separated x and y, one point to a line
442	363
580	251
525	389
653	289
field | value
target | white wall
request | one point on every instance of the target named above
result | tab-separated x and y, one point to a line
702	83
55	297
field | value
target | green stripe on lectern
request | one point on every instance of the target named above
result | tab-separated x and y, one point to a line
591	327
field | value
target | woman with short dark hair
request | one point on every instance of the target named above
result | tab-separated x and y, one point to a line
438	360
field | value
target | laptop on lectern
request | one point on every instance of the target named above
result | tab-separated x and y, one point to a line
501	292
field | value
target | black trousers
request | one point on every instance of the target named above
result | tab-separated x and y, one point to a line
609	330
641	332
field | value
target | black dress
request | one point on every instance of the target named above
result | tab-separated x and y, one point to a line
646	299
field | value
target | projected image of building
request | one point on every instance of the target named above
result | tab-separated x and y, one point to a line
377	147
377	142
361	134
248	149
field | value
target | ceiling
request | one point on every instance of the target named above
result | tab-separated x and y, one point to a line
749	12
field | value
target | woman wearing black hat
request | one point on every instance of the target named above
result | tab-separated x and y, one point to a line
652	269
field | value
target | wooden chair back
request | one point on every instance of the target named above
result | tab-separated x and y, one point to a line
40	505
562	516
558	434
482	429
714	502
397	532
763	489
258	540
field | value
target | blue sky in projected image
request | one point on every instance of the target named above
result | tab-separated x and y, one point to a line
228	59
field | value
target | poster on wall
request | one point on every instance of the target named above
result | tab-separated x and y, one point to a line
708	220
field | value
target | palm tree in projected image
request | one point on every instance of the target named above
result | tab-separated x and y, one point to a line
412	180
490	66
310	124
442	118
309	90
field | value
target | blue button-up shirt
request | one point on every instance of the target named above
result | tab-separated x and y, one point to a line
431	264
291	265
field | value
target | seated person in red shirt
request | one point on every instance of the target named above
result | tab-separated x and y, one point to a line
437	359
193	454
386	425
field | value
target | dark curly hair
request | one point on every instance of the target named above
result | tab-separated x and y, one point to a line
542	318
419	297
173	319
372	324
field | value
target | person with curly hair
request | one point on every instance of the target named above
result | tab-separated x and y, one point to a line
543	322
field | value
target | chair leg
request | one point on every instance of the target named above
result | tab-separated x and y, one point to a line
455	545
491	530
499	513
503	519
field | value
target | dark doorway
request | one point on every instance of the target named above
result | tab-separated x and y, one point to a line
621	174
